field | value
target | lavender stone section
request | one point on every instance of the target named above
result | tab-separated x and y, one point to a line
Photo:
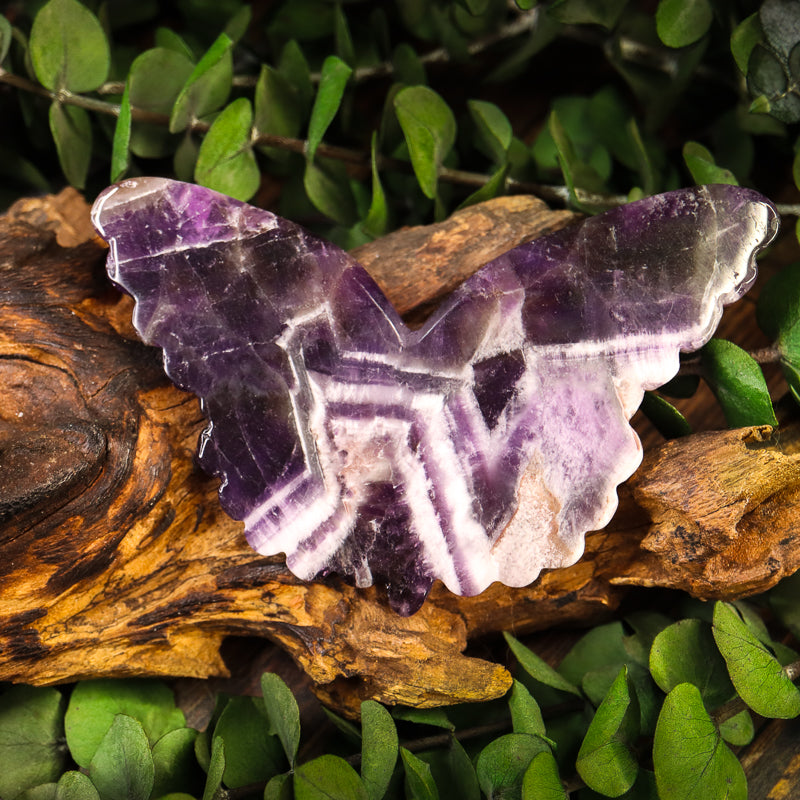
479	448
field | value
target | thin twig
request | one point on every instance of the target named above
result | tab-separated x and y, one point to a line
524	22
559	195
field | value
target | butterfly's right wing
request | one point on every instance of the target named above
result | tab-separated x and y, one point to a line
564	334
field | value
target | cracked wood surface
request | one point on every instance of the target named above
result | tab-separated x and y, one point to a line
116	559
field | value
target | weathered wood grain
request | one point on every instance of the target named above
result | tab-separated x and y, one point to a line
116	559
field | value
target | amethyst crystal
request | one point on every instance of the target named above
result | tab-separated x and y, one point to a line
479	448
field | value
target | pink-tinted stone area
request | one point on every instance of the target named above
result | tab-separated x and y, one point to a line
479	448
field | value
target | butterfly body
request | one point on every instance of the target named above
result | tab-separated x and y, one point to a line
482	446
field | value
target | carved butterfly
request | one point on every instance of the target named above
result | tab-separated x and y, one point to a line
479	448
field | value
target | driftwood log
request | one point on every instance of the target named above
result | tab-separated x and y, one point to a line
117	560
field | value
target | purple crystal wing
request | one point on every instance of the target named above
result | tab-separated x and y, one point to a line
563	335
481	447
252	313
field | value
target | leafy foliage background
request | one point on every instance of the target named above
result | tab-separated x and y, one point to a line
355	118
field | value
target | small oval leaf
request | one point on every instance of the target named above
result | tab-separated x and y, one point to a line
68	47
122	766
74	785
379	748
706	768
333	80
542	781
682	22
685	652
605	761
738	384
120	148
538	669
328	778
207	87
226	161
429	128
419	780
72	133
283	713
757	675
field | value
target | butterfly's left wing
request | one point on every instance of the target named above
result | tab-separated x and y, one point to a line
271	328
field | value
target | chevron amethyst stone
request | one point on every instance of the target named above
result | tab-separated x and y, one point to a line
479	448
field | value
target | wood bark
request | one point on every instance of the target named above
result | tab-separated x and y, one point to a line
117	560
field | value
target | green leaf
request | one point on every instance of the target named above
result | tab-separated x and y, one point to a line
682	22
333	80
30	728
419	780
605	761
588	12
327	187
294	67
738	730
174	761
68	47
252	754
691	760
746	35
577	173
120	148
494	187
122	766
602	646
44	791
226	161
377	219
236	27
279	788
185	158
155	80
351	732
542	781
701	164
6	36
216	769
681	386
207	87
648	174
685	652
757	675
74	785
424	716
379	747
538	669
342	38
451	767
502	764
168	39
494	129
429	128
72	133
408	68
277	111
669	422
93	706
526	716
328	778
738	384
283	714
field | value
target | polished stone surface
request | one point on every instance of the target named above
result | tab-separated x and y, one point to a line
479	448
